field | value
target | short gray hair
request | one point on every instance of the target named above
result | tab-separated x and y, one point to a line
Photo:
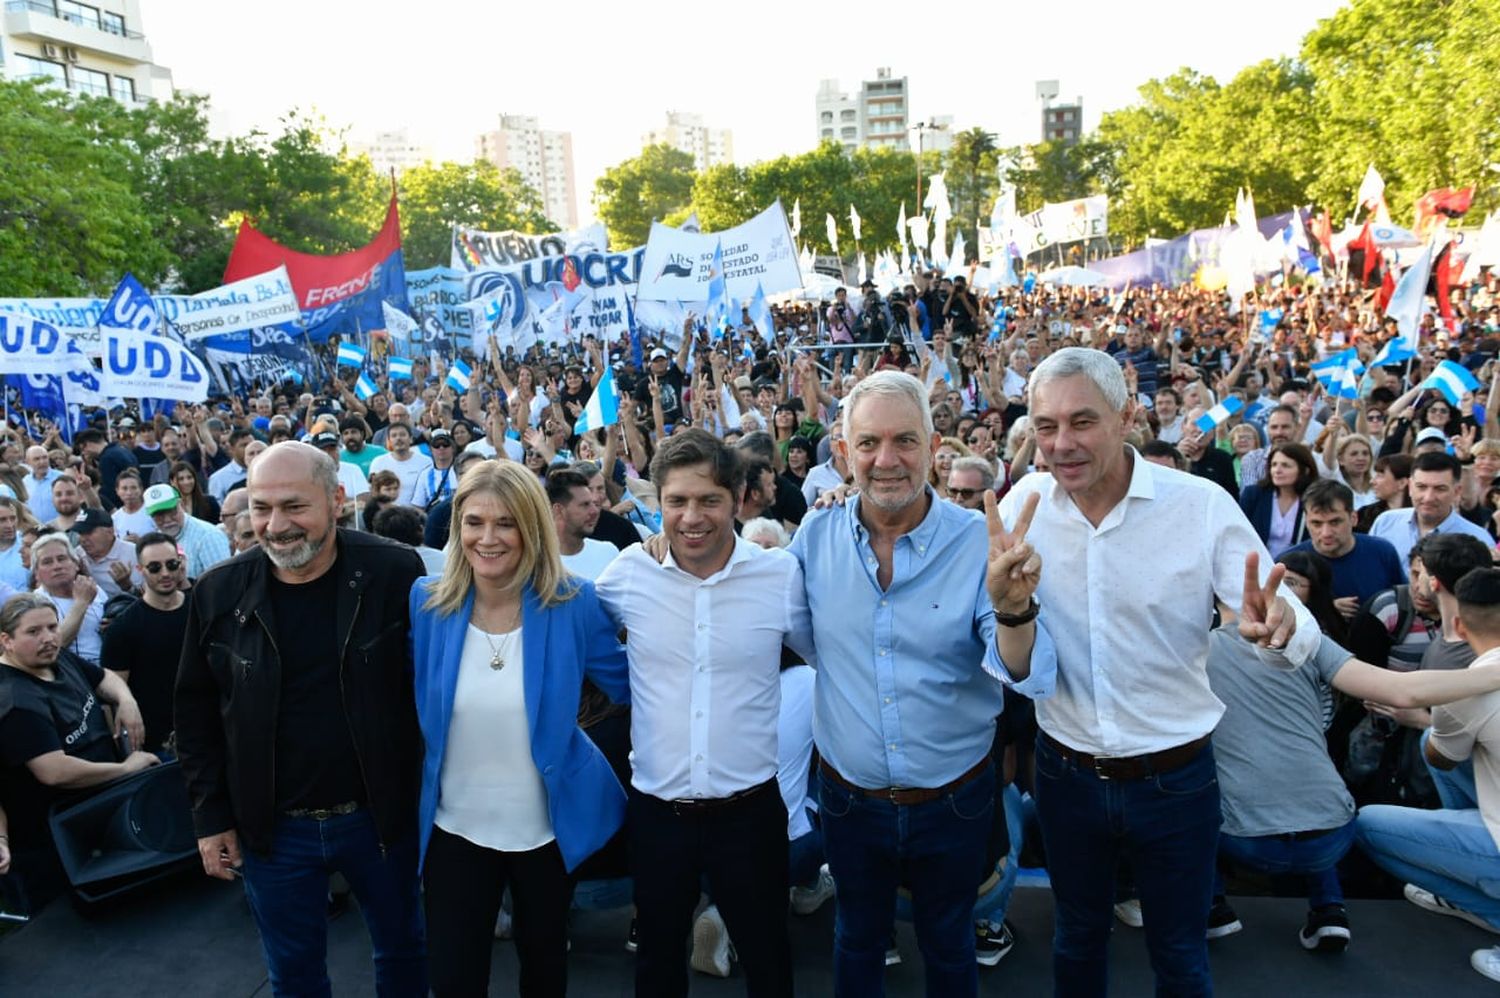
1096	365
979	464
762	525
889	383
57	537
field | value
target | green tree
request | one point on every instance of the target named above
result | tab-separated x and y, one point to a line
650	186
70	221
437	196
971	171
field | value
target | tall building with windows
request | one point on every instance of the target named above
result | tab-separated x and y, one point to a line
876	117
707	146
97	48
544	159
392	150
1061	123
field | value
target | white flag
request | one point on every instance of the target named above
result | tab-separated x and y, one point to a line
1371	188
833	234
854	222
796	218
1409	300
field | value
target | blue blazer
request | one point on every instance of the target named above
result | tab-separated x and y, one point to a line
561	645
1257	503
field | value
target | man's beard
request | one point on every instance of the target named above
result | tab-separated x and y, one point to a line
296	557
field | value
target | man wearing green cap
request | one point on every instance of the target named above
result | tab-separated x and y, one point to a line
204	544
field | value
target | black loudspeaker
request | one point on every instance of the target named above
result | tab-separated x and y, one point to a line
128	833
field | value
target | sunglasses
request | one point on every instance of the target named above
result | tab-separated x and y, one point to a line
964	493
171	565
441	443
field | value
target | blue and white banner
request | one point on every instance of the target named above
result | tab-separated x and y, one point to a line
401	330
437	296
603	407
138	364
1453	380
676	264
1215	417
605	289
32	346
244	305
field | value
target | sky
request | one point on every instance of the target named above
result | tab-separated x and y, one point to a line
608	72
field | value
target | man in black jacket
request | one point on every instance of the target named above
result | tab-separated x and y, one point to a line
297	728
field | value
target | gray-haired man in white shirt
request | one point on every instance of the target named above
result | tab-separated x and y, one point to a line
1133	557
706	628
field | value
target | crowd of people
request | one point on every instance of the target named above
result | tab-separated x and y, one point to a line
851	609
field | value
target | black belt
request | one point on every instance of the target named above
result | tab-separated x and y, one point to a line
713	803
905	796
1132	767
324	813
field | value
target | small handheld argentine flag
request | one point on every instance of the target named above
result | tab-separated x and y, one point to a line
350	355
1453	380
399	368
458	376
1213	418
603	408
364	387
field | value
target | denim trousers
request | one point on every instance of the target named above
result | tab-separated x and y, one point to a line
288	894
1316	859
937	851
1449	851
1167	826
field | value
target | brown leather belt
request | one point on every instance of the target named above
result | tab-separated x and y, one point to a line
1133	767
906	796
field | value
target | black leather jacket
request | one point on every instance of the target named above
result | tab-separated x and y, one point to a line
229	683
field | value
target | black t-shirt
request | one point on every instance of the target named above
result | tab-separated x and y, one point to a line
671	392
39	717
790	504
147	458
146	643
316	763
613	528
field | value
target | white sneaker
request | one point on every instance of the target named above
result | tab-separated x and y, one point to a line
806	900
503	925
711	950
1487	962
1129	912
1423	898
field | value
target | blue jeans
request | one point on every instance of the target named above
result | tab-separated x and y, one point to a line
1167	825
1316	859
288	894
937	850
805	857
994	903
1449	852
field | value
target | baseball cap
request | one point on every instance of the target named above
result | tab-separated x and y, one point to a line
744	384
439	434
1432	433
125	423
160	498
326	439
658	354
91	518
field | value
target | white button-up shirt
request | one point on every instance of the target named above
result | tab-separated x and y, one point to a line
1126	608
705	665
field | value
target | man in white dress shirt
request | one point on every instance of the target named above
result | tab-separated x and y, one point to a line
706	628
1133	556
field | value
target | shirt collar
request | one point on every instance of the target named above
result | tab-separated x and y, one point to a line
743	551
921	535
1142	484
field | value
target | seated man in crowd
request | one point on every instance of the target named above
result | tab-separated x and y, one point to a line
53	734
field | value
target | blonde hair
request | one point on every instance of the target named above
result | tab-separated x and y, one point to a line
540	566
1490	446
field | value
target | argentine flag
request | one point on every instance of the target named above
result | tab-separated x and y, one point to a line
1407	304
364	387
1213	418
1394	352
1453	380
350	355
458	376
399	368
603	408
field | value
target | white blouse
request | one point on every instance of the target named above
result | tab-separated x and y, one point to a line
489	789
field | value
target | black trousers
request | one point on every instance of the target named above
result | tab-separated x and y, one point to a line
740	847
464	884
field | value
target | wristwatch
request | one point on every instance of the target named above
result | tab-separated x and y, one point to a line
1026	616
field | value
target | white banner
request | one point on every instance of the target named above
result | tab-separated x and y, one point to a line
31	346
252	303
140	365
475	249
677	263
1063	222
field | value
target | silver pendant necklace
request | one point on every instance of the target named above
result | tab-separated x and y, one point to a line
497	661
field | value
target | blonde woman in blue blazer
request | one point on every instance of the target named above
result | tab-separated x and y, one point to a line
514	794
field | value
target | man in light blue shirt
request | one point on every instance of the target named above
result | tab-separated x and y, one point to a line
39	484
13	574
1433	509
908	690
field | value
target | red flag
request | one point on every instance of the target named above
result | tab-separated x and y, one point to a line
1441	284
1387	288
1443	201
1365	259
570	278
